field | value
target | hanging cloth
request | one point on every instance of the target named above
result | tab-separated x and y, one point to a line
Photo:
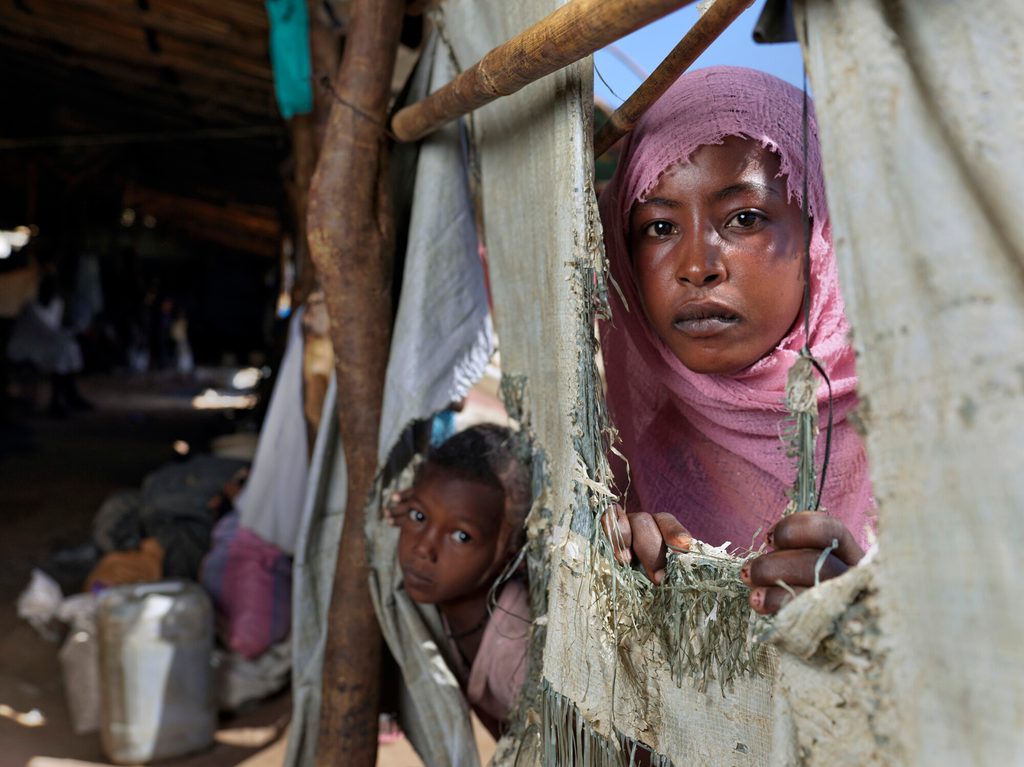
270	504
290	57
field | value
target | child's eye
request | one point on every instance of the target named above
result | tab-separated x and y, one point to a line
659	229
461	536
416	515
745	219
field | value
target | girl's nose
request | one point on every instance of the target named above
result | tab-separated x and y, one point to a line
426	547
701	264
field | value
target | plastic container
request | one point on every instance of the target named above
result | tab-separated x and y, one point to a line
156	645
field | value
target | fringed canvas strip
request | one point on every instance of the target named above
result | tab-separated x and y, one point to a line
570	740
699	616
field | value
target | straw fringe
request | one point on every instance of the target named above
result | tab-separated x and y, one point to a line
569	740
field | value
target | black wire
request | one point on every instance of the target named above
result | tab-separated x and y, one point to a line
806	219
600	77
828	434
805	214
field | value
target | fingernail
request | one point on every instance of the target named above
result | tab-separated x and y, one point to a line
745	573
659	576
757	599
682	541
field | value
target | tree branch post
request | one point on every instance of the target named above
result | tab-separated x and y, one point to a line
351	238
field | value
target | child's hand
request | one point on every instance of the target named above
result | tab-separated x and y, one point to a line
397	507
799	541
645	535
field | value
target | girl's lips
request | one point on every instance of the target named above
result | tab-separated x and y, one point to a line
700	320
416	580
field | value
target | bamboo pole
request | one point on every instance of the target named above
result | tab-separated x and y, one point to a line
575	30
351	238
707	29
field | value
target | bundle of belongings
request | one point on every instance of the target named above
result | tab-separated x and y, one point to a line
210	519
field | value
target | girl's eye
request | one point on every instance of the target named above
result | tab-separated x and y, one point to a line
461	536
745	219
659	229
416	515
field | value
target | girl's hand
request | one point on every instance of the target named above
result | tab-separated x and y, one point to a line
645	535
799	541
397	507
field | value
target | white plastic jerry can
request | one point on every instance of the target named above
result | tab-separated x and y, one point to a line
156	644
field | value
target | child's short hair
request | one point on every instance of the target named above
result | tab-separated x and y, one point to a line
485	454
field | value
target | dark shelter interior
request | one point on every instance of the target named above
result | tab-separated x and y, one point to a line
148	185
148	137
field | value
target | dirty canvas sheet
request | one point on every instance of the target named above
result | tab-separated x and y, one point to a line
921	112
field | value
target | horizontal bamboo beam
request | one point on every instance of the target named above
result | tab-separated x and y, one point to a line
575	30
709	26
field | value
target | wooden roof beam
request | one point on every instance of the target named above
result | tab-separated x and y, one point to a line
145	85
221	70
215	33
241	12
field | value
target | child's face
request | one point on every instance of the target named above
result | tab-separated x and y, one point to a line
716	251
454	540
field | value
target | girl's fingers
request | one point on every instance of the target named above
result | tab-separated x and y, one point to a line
770	599
648	544
396	507
616	527
672	532
816	530
794	567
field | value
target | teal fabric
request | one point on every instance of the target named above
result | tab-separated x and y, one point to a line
289	55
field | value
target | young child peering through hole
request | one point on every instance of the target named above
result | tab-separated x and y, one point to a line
705	236
461	525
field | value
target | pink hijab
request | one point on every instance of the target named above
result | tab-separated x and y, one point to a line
706	448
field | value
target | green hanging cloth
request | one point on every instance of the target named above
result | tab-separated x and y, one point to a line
289	54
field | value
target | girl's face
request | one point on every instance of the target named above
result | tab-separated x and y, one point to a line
716	251
454	540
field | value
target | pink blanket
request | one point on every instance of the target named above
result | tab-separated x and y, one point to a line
706	447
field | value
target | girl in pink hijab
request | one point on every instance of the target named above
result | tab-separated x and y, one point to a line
705	237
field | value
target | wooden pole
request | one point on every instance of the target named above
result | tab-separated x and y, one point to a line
707	29
575	30
351	238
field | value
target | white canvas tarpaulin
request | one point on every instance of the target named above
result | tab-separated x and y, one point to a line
920	107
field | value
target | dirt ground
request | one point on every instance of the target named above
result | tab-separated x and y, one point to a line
53	476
